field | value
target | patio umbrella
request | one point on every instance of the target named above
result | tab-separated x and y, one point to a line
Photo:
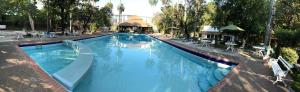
231	29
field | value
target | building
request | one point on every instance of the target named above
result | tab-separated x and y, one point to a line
135	24
210	32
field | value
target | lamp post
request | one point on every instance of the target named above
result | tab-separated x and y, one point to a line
268	27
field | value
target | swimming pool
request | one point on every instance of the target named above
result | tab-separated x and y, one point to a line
137	63
52	57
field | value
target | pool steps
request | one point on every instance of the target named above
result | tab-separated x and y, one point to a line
70	75
212	79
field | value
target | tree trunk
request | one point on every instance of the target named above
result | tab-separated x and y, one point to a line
187	35
31	21
71	22
268	29
62	20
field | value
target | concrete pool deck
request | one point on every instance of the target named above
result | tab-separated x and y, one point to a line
18	74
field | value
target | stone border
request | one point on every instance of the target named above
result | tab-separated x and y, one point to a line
71	74
206	55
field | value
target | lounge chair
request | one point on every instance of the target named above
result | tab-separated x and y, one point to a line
205	42
277	70
212	43
48	35
19	36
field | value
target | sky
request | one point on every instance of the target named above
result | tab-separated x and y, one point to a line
137	7
133	7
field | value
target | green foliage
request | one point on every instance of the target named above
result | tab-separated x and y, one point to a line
287	37
181	18
209	14
59	11
288	14
296	83
103	16
15	13
250	15
121	8
296	86
153	2
289	54
93	27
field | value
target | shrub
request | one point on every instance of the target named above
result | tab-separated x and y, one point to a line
93	27
287	37
289	54
296	83
296	86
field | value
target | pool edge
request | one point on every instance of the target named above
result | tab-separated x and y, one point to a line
71	75
218	85
60	87
49	79
221	83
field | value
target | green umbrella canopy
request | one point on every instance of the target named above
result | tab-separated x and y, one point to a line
232	27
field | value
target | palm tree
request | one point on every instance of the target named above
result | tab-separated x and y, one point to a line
121	9
153	2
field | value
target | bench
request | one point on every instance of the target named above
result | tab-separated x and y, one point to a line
277	70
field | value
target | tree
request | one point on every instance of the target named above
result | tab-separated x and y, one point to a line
121	9
287	14
194	9
4	10
85	14
165	2
60	10
25	7
153	2
104	15
247	14
209	14
185	17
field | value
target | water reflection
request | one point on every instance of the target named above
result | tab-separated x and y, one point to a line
51	57
137	63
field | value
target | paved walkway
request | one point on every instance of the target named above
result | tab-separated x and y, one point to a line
19	74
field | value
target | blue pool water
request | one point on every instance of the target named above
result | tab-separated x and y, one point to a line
136	63
51	57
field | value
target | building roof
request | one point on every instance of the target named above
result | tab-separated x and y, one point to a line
135	21
209	29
